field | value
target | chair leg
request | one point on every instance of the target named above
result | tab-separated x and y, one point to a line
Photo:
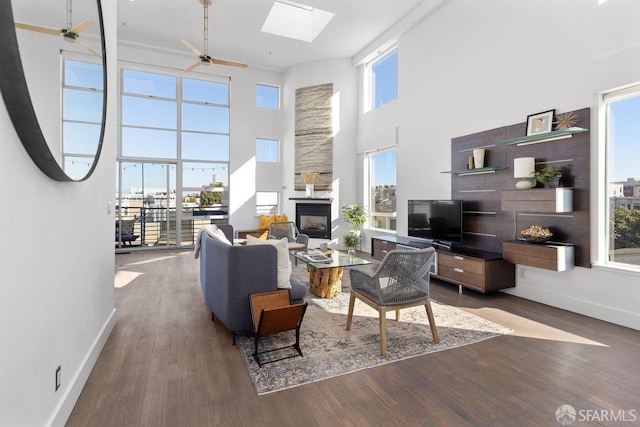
397	315
352	301
383	332
432	322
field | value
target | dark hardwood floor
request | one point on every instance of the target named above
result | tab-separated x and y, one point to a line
167	364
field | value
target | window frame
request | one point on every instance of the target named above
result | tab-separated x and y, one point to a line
605	183
279	103
370	82
368	186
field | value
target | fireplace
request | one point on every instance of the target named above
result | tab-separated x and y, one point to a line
314	219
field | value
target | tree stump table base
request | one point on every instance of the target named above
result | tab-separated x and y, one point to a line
325	282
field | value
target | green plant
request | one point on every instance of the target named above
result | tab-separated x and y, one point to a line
351	240
355	215
543	175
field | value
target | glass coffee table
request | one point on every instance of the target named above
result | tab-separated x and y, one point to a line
325	277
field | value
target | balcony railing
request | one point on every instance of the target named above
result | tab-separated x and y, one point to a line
149	227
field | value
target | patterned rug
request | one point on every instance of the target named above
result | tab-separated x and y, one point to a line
329	350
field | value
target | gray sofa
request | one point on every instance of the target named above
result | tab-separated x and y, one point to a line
228	274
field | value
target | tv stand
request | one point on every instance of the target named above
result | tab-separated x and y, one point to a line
476	269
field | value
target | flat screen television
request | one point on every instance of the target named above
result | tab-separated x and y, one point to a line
438	221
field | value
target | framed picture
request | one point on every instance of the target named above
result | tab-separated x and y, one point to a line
540	122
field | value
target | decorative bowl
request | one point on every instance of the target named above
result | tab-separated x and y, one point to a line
536	234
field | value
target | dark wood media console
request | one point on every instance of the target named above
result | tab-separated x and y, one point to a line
482	271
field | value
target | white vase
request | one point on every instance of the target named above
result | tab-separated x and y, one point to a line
478	157
309	191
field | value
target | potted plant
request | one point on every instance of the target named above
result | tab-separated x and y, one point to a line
351	242
355	215
548	176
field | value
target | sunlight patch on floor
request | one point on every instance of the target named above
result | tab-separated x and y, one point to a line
527	328
122	278
149	261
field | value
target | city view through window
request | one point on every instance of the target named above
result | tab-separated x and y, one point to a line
624	179
173	166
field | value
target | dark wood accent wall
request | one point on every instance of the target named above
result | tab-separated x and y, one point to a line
486	225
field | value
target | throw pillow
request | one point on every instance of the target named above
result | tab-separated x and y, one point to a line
265	221
214	232
281	218
284	263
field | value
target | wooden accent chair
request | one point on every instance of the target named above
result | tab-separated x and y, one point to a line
400	281
272	313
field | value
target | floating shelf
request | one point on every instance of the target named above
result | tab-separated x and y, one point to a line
476	171
543	137
550	256
538	200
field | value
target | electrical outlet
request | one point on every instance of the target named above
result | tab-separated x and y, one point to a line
58	377
522	274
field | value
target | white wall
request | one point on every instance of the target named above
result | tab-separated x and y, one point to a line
56	275
474	66
344	77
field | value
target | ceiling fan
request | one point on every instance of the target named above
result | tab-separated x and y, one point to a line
69	33
204	58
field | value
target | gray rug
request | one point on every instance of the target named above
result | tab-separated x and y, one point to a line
329	350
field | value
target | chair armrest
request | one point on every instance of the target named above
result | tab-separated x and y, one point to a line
304	239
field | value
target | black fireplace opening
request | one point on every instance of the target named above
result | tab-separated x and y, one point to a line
314	219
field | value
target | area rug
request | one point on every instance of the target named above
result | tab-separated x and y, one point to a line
329	350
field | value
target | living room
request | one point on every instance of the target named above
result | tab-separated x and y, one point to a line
466	67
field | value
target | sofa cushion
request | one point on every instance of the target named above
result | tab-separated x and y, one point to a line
284	263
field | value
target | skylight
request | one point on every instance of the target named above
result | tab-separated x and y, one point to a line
296	21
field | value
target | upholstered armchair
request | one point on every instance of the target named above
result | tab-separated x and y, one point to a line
297	240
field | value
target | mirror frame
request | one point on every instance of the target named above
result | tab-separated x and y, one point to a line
18	101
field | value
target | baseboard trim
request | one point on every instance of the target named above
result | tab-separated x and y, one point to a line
576	305
63	410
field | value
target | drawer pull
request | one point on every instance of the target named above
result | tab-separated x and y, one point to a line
459	258
384	251
458	270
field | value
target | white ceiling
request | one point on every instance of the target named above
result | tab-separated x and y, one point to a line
235	28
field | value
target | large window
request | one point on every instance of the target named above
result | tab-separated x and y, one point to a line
173	155
381	179
623	176
382	76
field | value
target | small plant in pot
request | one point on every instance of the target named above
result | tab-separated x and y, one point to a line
351	241
549	176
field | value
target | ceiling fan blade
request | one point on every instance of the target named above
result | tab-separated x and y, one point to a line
193	67
87	47
191	48
38	29
80	27
230	63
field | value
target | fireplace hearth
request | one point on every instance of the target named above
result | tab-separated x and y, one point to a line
314	219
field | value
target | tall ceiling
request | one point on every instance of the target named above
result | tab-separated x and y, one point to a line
235	28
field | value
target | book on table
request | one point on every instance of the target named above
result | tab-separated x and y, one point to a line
315	256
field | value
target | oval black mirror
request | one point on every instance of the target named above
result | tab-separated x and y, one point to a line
28	119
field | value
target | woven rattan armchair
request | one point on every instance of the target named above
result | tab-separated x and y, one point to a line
400	281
